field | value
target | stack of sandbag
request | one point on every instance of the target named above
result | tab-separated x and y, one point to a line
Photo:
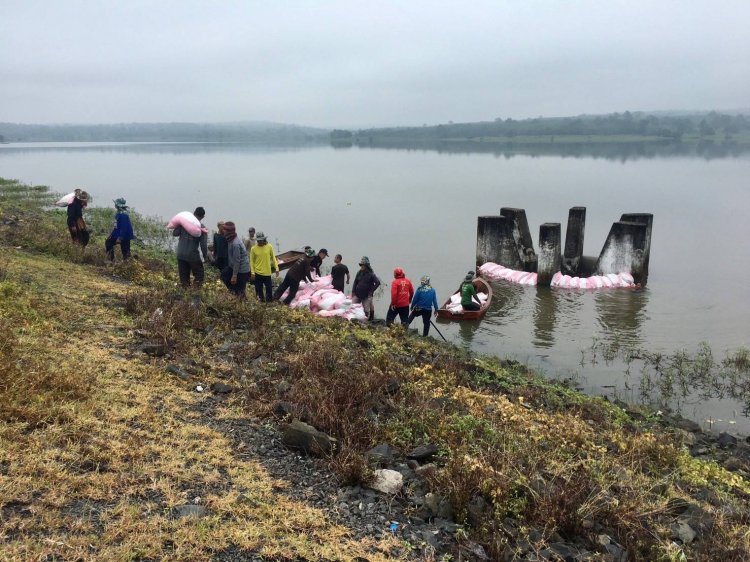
608	281
189	222
454	306
495	271
322	299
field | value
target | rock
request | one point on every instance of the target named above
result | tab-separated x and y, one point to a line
411	463
473	551
476	510
438	506
299	435
283	409
188	510
725	440
177	371
382	453
423	452
697	518
733	464
154	349
688	425
221	388
430	537
683	532
676	506
685	438
564	551
426	471
387	481
282	387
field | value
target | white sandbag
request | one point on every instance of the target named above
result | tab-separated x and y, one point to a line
65	200
188	221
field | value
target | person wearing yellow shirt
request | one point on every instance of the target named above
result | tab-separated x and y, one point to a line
262	262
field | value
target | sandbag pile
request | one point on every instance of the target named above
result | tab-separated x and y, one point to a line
189	222
496	271
608	281
322	299
454	306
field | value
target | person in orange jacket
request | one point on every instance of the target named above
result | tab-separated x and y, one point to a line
402	292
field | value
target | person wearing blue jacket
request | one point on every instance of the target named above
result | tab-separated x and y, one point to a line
423	303
122	233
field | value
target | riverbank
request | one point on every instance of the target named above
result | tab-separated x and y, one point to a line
109	452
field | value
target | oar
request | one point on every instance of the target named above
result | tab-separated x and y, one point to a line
438	331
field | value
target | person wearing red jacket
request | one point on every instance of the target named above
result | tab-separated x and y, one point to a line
402	292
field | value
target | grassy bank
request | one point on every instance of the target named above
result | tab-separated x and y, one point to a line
99	443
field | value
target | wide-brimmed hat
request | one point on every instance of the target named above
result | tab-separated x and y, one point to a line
364	261
261	236
309	252
120	203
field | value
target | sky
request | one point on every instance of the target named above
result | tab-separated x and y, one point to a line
367	63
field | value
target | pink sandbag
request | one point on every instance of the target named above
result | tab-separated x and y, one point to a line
189	222
66	200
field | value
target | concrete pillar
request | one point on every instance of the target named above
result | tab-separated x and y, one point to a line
522	237
624	250
549	252
495	242
648	220
574	241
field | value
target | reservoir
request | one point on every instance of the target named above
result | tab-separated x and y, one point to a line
417	208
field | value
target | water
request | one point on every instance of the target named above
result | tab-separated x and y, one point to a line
417	209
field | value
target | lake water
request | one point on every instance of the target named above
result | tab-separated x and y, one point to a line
417	209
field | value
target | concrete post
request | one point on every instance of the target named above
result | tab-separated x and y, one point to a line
522	237
574	241
648	220
495	242
624	250
549	252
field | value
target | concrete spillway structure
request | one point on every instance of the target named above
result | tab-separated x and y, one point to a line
506	239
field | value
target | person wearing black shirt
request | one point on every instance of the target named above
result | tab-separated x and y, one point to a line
338	272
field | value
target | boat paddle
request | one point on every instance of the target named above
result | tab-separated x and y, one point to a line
438	331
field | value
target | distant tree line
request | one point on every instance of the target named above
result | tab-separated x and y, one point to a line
640	124
169	132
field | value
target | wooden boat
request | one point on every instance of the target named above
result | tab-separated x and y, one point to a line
482	287
287	259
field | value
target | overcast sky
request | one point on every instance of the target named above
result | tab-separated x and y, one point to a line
349	63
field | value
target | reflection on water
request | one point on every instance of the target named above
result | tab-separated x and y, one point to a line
166	148
621	151
545	317
621	315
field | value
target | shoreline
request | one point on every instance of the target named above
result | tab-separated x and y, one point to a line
508	465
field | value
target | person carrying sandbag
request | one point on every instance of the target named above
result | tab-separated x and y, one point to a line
192	251
76	225
299	271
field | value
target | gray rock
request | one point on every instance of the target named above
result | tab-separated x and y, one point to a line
299	435
177	371
430	537
438	506
725	440
154	349
283	387
688	425
477	510
382	453
221	388
188	510
685	438
423	452
683	532
473	551
426	471
387	481
283	409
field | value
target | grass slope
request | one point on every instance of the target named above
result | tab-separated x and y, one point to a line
98	444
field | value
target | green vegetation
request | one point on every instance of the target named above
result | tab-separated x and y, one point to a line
88	422
615	127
